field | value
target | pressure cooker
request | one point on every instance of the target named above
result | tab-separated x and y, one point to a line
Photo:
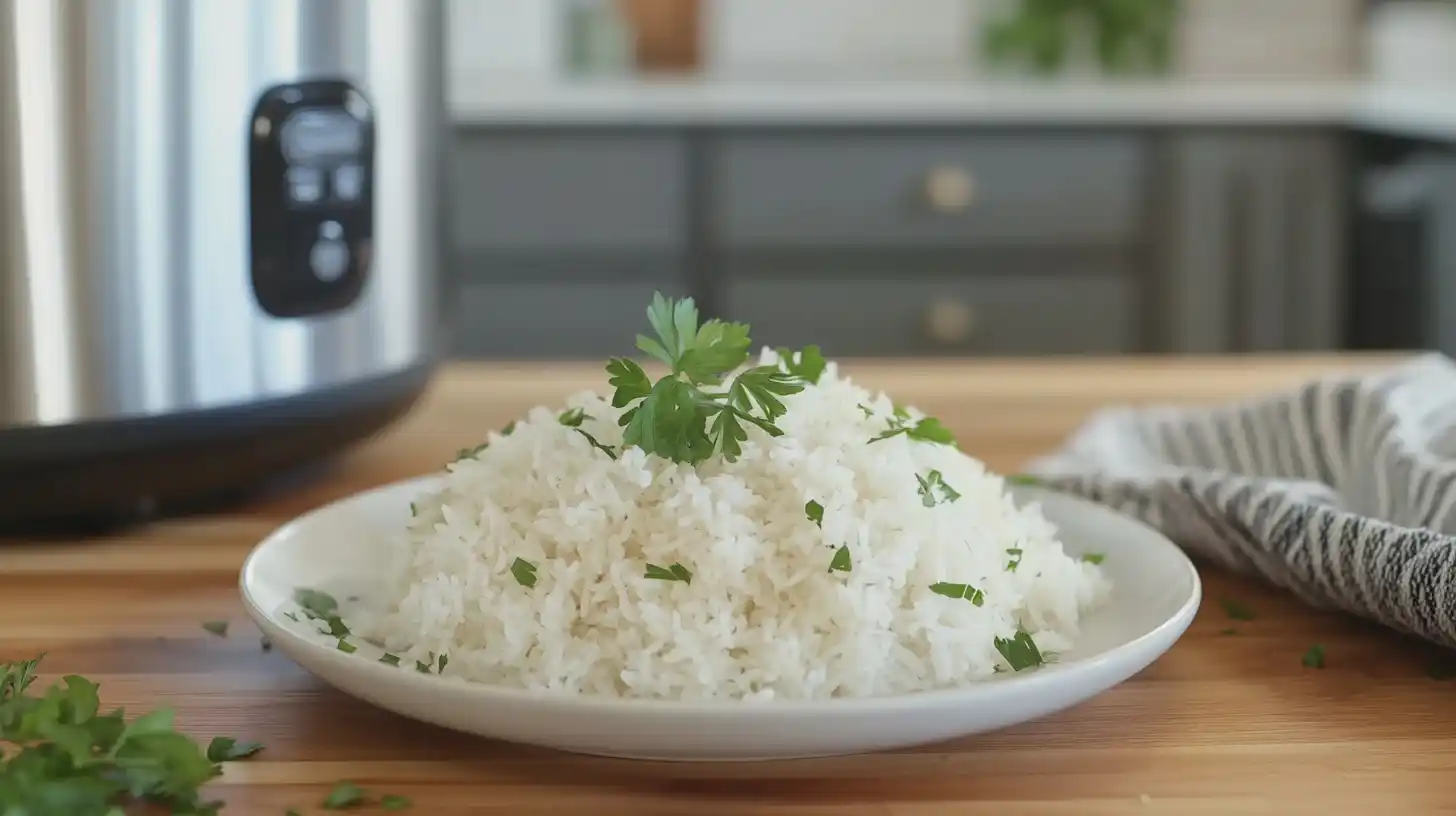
220	242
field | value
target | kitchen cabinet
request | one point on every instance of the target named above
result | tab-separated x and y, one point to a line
1253	253
892	240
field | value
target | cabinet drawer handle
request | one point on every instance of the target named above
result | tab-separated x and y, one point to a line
949	190
950	322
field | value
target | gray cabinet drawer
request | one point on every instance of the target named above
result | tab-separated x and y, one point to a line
543	320
897	190
568	191
1076	314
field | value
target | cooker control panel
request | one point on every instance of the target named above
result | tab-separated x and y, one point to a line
311	162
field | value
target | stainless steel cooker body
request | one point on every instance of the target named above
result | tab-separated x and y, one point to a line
214	214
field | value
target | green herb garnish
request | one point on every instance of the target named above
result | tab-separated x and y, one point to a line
472	452
441	663
959	591
1227	632
291	616
676	572
1237	610
808	364
390	659
392	802
684	416
346	647
524	572
319	605
422	667
573	417
1093	558
1015	560
216	627
815	511
841	562
933	489
1024	480
226	749
345	795
63	756
1020	651
928	429
1314	658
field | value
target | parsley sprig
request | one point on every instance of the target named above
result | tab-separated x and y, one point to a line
60	754
687	415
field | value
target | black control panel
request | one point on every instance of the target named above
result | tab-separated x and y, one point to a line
311	159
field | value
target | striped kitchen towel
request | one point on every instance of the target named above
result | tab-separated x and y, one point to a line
1342	491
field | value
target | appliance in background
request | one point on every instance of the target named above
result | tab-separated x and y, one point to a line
220	236
1403	272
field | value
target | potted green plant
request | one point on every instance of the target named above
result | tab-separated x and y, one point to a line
1113	37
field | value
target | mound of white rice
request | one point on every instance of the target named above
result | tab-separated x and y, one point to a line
763	617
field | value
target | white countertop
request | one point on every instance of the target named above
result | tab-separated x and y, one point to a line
485	99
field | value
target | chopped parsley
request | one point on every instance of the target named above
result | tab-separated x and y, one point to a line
441	663
392	802
815	511
1024	480
321	606
966	591
471	452
1015	560
611	454
226	749
216	627
933	489
1228	632
1093	558
676	572
346	647
686	416
345	795
524	572
1314	658
841	562
928	429
390	659
1237	610
573	418
1020	652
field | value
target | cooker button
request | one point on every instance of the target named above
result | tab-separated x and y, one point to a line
305	185
349	182
329	259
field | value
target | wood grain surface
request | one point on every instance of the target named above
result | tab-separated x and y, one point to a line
1223	724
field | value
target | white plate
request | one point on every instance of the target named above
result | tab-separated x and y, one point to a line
338	547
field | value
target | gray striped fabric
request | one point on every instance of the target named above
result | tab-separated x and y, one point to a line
1342	491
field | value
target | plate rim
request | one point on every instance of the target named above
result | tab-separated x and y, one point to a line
982	693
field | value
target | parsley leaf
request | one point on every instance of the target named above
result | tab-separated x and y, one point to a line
321	606
808	364
346	647
389	659
1024	480
392	802
226	749
1237	610
815	511
572	418
611	454
1015	560
676	572
841	560
928	429
933	489
216	627
966	591
1093	558
524	572
345	795
1020	651
1315	657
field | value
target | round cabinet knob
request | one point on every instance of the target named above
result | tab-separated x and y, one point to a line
950	189
950	322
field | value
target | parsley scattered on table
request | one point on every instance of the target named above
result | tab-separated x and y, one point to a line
966	591
1237	610
393	802
676	572
216	627
345	795
841	562
524	572
1020	651
815	511
63	756
934	490
226	749
686	416
1314	658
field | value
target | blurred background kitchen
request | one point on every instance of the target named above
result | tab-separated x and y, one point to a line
956	177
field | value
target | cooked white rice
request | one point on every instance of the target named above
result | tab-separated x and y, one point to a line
763	617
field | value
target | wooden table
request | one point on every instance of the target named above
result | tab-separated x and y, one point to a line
1221	725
